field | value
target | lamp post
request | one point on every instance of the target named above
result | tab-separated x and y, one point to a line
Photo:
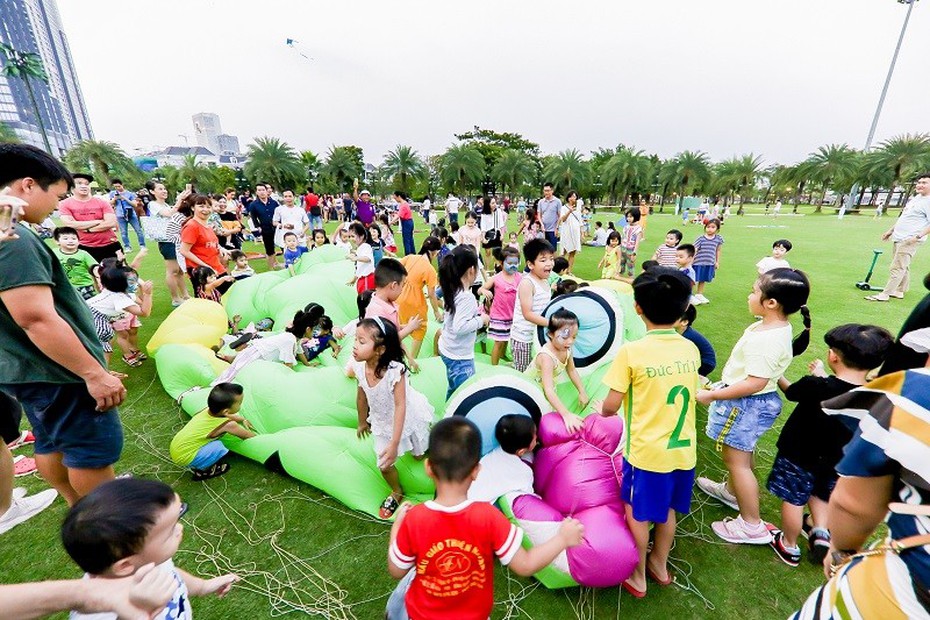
851	200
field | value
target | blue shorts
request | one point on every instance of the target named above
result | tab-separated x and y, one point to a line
794	484
65	420
168	250
740	422
209	455
652	494
704	273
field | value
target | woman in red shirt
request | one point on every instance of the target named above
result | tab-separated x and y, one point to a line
200	245
405	215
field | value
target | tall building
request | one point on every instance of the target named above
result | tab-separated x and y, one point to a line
35	26
228	144
210	134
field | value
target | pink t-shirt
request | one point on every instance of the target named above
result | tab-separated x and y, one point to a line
86	210
403	211
384	309
505	298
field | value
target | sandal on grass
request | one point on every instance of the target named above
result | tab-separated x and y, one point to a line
139	355
388	507
876	298
132	360
119	375
217	469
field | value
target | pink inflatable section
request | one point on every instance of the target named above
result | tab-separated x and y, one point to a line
579	476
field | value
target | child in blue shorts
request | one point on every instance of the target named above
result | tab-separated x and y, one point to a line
661	370
745	403
707	250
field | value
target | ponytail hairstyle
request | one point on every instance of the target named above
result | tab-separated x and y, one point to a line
305	319
384	219
385	335
199	277
362	301
430	244
451	269
790	288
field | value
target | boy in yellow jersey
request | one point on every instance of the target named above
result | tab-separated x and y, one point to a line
655	380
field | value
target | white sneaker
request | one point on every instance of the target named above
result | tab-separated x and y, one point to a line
738	531
19	493
703	299
25	508
719	491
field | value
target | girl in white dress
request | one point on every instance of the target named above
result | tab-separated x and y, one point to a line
570	229
396	415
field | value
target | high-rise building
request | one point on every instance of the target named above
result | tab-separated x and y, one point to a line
207	130
35	26
228	144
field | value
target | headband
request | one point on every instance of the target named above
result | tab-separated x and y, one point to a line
377	319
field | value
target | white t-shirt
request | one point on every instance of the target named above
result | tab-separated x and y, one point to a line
501	473
600	237
453	204
111	305
770	262
363	269
426	204
277	348
762	353
178	608
294	216
914	218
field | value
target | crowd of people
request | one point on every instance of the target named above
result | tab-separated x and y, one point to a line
63	306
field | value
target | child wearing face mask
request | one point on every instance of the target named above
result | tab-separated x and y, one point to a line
501	289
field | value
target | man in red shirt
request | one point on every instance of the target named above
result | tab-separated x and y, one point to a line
92	217
313	209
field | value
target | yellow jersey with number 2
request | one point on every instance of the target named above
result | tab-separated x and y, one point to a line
659	375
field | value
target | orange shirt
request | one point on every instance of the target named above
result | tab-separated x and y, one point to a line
204	245
412	300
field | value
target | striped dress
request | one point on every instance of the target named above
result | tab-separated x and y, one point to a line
891	416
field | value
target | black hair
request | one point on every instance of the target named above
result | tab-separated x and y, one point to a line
862	347
112	522
430	244
451	269
662	294
486	205
610	226
514	432
471	215
783	243
533	248
115	181
565	286
715	221
601	224
385	334
290	233
199	277
384	219
922	175
614	236
401	195
454	226
649	264
790	288
322	232
19	161
360	231
690	315
688	248
570	193
560	264
237	254
548	184
500	254
362	301
561	318
325	324
305	319
677	234
635	212
222	396
441	233
64	230
114	279
454	448
389	270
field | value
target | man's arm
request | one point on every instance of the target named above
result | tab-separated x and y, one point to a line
33	309
107	223
68	220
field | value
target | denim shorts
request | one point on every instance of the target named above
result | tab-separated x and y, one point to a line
168	250
651	494
457	373
794	484
740	422
65	420
209	455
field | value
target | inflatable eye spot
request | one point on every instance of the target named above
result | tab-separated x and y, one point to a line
600	326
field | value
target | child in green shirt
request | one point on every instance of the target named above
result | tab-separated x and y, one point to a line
78	263
197	445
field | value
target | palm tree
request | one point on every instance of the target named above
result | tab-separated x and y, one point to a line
403	165
7	133
567	170
626	172
513	170
462	167
193	171
899	158
835	167
689	171
274	161
105	159
342	167
26	65
311	163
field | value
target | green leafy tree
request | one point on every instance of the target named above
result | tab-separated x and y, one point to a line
343	165
105	160
274	161
462	168
833	167
493	144
198	173
626	172
688	172
26	66
736	176
7	133
514	170
312	164
567	170
897	160
404	167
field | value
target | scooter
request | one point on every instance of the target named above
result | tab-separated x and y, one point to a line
864	285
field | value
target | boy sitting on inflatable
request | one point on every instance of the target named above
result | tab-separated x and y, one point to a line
503	470
442	550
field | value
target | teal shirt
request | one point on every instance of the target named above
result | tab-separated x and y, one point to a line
27	261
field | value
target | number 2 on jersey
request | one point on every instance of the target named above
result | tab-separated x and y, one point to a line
675	441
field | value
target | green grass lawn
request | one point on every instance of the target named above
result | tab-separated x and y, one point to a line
300	551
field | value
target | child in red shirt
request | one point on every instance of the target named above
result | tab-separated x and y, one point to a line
442	550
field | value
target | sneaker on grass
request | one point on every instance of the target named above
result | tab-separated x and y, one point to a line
25	438
819	545
719	491
25	508
23	466
789	555
739	532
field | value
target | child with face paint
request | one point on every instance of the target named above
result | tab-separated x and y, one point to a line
502	291
554	361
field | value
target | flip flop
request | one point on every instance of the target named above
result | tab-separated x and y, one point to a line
119	375
876	298
633	591
652	575
217	469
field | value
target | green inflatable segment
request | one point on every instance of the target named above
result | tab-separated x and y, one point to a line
321	256
247	297
183	366
633	326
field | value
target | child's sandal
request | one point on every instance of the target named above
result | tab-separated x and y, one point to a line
217	469
388	507
139	355
132	360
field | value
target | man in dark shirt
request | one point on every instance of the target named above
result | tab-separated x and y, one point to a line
262	212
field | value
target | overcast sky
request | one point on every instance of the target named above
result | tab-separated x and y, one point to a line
774	77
